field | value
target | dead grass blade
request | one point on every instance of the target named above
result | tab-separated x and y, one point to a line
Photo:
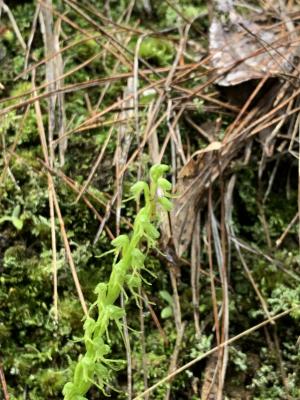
14	24
95	166
51	190
53	204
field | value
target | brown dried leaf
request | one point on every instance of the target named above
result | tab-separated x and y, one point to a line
192	184
242	50
211	147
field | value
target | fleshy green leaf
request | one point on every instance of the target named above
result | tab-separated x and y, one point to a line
164	184
16	211
157	171
166	204
166	312
166	296
138	188
120	241
17	222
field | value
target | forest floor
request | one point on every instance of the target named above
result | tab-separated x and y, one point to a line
93	93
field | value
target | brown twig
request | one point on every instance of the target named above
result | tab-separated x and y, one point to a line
3	384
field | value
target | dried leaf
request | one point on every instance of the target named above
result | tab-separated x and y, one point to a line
211	147
242	50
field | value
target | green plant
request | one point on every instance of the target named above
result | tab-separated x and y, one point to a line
157	50
93	367
167	311
14	218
